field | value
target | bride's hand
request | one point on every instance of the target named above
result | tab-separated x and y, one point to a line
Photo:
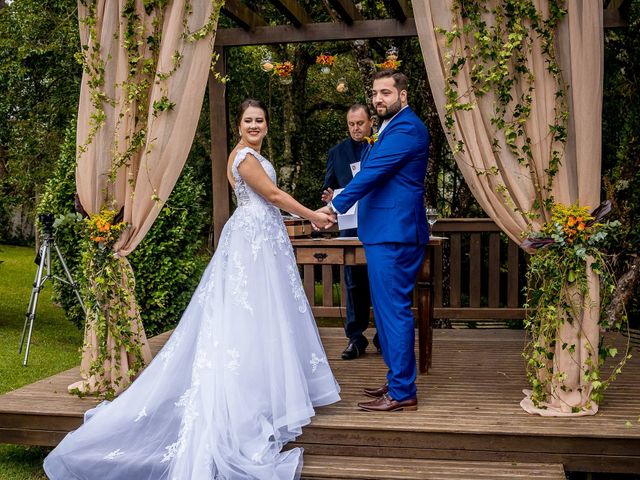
322	219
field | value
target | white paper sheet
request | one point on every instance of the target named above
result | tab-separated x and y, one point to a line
349	219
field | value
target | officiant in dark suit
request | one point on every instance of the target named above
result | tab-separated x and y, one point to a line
342	160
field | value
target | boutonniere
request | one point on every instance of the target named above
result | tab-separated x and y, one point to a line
372	139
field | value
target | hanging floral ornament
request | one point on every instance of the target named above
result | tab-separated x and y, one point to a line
267	63
341	86
283	71
391	62
326	61
392	54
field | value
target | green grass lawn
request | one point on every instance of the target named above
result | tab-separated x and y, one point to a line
54	348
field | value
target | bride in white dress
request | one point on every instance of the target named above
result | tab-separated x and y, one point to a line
243	370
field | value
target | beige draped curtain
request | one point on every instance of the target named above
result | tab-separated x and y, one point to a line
579	48
142	185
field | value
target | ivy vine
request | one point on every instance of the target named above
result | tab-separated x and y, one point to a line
497	55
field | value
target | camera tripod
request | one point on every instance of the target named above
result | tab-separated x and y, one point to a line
43	260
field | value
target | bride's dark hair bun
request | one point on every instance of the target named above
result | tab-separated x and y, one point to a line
251	102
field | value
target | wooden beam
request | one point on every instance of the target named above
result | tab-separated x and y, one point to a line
242	15
612	18
317	32
293	11
398	9
221	193
347	10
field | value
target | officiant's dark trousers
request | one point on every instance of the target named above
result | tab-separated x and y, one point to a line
356	282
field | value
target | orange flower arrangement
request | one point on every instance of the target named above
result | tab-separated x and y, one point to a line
570	225
283	69
389	64
326	59
103	228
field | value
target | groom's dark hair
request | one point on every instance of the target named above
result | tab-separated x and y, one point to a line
401	82
251	102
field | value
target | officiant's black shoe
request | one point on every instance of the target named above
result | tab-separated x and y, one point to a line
376	343
387	404
376	392
352	351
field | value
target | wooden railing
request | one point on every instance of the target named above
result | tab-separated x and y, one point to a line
478	275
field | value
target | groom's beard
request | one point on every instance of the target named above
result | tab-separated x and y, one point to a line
390	111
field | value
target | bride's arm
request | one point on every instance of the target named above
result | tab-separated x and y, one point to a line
254	175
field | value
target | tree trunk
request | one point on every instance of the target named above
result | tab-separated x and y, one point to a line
627	287
366	67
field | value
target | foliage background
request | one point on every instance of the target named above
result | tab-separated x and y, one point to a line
39	87
621	149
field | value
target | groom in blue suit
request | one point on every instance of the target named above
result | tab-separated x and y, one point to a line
393	229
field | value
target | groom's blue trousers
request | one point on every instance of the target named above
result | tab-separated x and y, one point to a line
393	269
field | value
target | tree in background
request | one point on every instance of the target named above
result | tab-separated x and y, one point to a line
621	156
39	88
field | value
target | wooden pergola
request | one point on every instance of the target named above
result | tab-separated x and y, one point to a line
254	30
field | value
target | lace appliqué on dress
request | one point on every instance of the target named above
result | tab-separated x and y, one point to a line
141	414
315	361
113	455
296	288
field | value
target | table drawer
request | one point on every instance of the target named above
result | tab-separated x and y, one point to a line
320	256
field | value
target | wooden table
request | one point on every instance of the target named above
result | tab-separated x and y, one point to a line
349	251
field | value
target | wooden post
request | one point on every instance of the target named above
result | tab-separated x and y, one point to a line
424	286
221	193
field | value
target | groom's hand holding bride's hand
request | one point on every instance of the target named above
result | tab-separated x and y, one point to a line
323	218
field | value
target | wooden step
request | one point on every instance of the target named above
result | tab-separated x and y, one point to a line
325	467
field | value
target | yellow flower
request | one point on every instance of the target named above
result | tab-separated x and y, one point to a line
372	139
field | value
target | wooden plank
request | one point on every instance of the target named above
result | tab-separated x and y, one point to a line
347	10
348	467
475	270
293	11
317	32
479	313
466	225
242	15
612	18
327	286
221	191
513	286
494	270
455	269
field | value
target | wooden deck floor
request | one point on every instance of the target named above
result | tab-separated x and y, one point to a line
469	410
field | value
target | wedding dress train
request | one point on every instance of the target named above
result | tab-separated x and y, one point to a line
237	380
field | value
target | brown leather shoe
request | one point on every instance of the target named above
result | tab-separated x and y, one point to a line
387	404
376	392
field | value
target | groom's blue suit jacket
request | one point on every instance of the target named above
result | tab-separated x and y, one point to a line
390	185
